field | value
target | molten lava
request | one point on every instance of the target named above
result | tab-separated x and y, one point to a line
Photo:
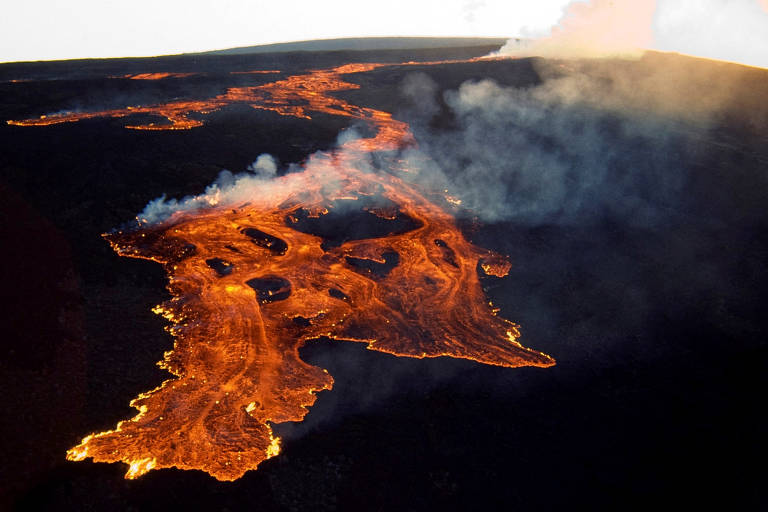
294	96
155	76
253	280
256	72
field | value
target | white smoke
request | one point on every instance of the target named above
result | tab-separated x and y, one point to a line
418	89
585	139
227	190
599	28
593	140
265	165
260	183
585	142
733	30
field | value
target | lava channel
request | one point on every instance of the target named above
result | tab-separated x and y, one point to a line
252	282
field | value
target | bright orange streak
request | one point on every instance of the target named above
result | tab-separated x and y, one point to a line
156	76
249	289
294	96
257	72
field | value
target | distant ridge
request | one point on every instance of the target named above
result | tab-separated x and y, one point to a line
361	43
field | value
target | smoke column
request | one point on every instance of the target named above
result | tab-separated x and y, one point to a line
732	30
601	28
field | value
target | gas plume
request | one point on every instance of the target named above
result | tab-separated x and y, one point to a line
601	28
734	31
594	139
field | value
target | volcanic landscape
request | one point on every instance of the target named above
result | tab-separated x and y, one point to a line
468	220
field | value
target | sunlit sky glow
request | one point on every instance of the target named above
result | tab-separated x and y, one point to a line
54	29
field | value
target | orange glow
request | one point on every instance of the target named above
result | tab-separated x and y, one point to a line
249	287
156	76
295	96
257	72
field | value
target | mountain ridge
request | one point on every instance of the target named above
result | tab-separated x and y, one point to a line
358	43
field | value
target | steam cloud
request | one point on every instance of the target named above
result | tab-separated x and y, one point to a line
265	165
733	30
601	28
594	140
256	184
568	148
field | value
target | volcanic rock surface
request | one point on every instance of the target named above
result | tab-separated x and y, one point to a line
648	293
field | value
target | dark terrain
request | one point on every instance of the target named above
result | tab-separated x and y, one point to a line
363	44
658	328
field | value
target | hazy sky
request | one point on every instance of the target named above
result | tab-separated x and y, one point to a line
49	29
55	29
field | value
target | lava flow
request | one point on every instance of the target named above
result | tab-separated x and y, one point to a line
255	275
295	96
155	76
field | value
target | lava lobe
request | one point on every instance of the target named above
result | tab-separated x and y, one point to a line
251	283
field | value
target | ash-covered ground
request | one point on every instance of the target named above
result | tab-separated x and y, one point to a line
629	195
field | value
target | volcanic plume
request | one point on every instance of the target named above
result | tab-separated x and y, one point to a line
732	31
259	267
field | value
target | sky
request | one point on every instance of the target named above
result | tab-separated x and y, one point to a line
54	29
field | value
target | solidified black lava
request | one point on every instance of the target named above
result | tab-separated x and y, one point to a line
267	241
270	288
222	267
150	244
353	219
372	268
449	255
338	294
302	321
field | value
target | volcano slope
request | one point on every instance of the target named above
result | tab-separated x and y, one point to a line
633	217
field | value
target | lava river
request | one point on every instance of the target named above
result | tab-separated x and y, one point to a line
253	279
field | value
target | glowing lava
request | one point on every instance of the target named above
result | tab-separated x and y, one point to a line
255	72
252	281
155	76
294	96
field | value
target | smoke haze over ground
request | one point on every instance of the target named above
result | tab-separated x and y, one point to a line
641	172
593	140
